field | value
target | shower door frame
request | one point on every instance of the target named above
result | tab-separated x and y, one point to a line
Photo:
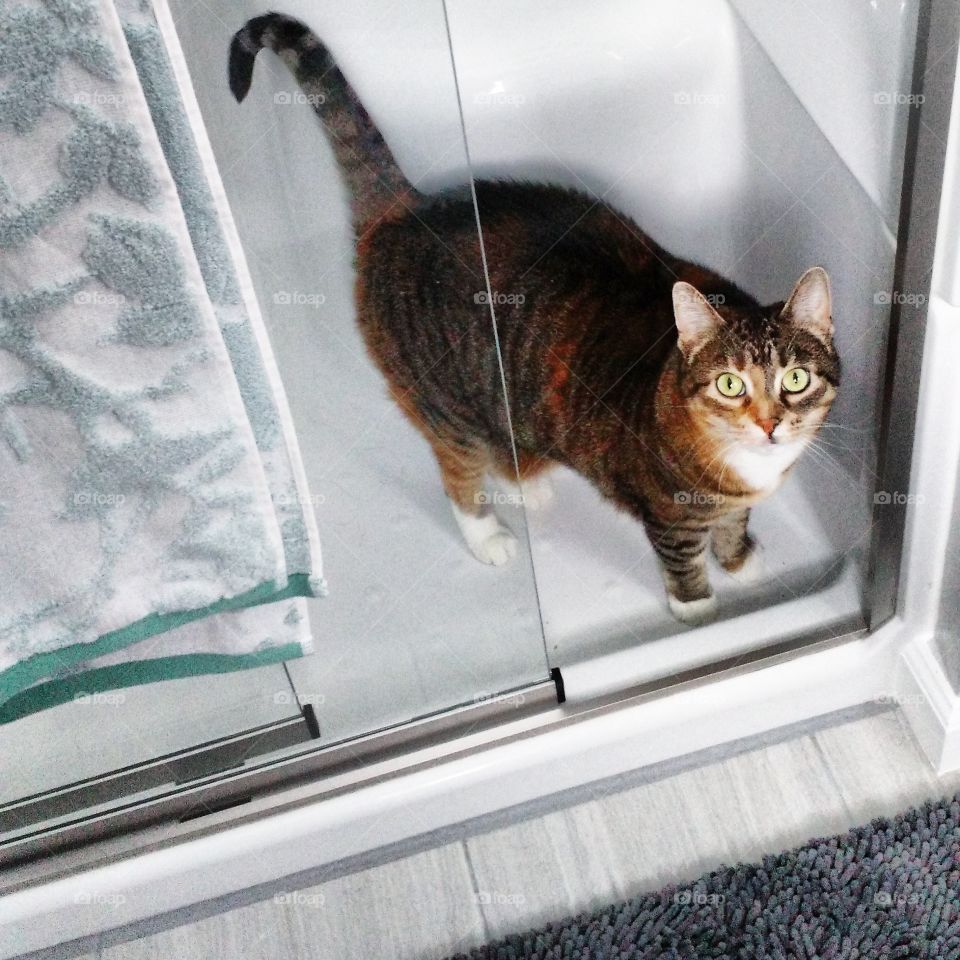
317	773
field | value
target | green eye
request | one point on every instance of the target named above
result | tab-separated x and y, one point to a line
730	385
795	380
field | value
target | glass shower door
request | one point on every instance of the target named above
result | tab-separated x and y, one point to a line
700	133
413	624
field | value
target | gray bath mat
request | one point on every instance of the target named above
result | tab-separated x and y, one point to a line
887	890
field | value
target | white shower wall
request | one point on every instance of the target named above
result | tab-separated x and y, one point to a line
850	66
675	114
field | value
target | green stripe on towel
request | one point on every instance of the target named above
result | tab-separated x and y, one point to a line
28	673
93	682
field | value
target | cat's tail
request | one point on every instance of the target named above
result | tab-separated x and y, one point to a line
376	183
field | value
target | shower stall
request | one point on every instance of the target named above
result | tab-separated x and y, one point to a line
755	138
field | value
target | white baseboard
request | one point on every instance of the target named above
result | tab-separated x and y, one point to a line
927	698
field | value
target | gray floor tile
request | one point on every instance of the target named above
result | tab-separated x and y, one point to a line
542	869
665	832
673	830
419	908
668	831
782	796
879	768
256	932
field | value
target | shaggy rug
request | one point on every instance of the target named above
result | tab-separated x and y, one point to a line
887	890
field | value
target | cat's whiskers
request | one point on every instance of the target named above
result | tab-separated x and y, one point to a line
842	447
833	469
843	426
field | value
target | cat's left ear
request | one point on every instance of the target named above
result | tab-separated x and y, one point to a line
697	322
809	306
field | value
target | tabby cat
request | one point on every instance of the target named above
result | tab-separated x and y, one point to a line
680	397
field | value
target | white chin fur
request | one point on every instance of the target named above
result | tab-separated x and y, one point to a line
762	467
693	611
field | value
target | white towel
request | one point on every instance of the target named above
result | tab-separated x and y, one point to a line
148	474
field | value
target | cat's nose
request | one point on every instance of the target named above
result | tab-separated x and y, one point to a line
768	426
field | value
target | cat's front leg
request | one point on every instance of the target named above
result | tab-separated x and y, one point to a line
736	551
681	549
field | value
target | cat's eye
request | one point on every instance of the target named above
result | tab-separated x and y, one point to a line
730	385
795	380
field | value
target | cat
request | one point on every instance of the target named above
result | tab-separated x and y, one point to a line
680	397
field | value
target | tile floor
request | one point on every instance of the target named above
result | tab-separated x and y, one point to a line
607	844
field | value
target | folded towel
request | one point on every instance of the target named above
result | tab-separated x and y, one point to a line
233	640
149	474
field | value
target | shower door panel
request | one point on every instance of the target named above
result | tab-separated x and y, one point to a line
677	117
413	623
96	734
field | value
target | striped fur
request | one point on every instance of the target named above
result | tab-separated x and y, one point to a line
609	348
377	186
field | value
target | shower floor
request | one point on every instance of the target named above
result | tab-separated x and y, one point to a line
600	587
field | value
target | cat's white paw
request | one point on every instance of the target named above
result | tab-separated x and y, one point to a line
537	492
499	548
487	538
693	612
752	569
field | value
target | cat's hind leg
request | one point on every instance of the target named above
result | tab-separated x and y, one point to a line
736	551
535	484
463	466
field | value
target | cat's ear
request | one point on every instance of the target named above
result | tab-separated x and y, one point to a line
697	322
809	306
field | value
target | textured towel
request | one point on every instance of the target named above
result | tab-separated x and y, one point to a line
148	471
233	640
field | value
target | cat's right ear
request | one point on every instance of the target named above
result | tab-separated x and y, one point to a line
697	322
